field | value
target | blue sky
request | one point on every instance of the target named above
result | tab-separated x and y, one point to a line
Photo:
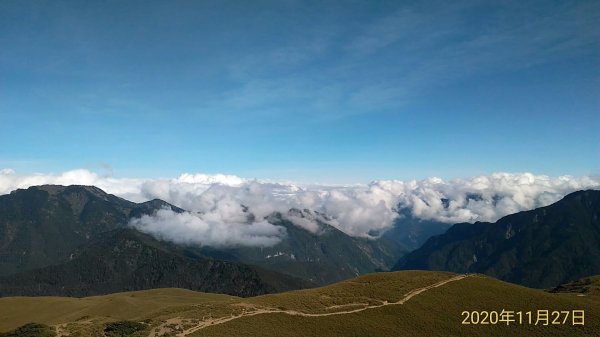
347	91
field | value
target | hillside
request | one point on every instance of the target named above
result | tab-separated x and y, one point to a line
126	259
43	225
587	286
410	232
408	303
540	248
326	256
47	226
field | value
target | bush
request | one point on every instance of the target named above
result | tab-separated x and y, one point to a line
31	330
123	328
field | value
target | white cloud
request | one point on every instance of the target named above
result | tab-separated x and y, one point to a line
10	180
207	179
189	228
220	201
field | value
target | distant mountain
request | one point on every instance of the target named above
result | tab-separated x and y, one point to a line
326	256
73	241
43	225
539	248
125	260
410	232
48	225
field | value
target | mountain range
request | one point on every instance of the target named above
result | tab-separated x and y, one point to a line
43	225
75	241
322	257
125	259
540	248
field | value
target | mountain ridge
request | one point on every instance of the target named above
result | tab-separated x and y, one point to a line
326	256
540	248
127	260
43	225
46	226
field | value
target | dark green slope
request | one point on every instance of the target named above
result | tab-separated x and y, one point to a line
125	260
324	257
72	241
31	330
411	232
43	225
46	225
540	248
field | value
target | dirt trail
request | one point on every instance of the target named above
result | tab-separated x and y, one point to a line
261	311
61	330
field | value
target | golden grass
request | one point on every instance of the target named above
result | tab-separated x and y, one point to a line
16	311
434	312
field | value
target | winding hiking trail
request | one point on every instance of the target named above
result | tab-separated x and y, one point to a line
260	311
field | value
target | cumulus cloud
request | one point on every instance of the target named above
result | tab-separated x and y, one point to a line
221	204
189	228
484	198
127	188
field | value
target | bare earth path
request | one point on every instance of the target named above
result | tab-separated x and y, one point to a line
261	311
60	330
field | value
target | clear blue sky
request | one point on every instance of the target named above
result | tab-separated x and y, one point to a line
346	91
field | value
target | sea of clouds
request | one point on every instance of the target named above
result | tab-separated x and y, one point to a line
220	205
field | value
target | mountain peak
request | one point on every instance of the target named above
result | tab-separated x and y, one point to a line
57	189
51	189
44	224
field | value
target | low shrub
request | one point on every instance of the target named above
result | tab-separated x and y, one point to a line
123	328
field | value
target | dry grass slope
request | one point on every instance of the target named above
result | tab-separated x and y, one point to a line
138	305
409	303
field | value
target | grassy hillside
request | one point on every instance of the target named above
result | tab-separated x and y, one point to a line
16	311
587	286
409	303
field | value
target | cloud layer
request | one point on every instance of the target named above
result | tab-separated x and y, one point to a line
220	205
189	228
